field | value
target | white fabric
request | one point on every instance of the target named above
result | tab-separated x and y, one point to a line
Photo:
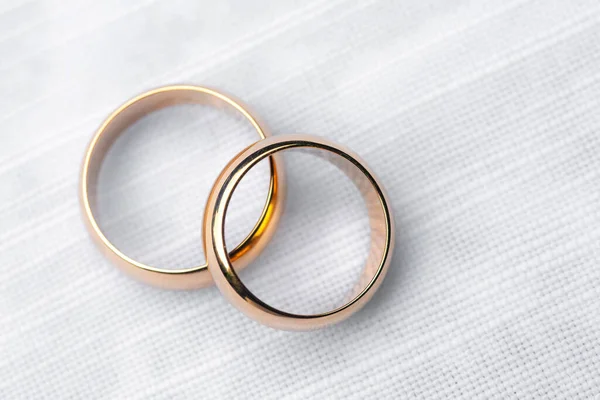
480	117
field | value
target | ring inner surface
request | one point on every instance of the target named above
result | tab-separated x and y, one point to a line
377	214
375	211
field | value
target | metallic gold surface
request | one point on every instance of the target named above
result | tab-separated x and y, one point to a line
108	132
380	219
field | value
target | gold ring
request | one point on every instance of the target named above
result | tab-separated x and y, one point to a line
104	137
380	218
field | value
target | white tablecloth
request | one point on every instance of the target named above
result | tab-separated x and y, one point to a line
480	117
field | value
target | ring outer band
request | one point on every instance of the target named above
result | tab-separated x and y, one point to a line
220	265
197	276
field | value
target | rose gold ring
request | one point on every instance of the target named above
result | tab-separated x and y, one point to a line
380	218
114	125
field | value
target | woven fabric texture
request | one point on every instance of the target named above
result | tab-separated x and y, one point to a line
481	119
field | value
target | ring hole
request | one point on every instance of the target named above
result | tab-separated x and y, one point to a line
156	177
321	245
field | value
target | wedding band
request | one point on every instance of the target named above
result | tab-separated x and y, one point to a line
105	136
380	219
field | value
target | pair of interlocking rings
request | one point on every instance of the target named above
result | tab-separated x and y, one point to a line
219	267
